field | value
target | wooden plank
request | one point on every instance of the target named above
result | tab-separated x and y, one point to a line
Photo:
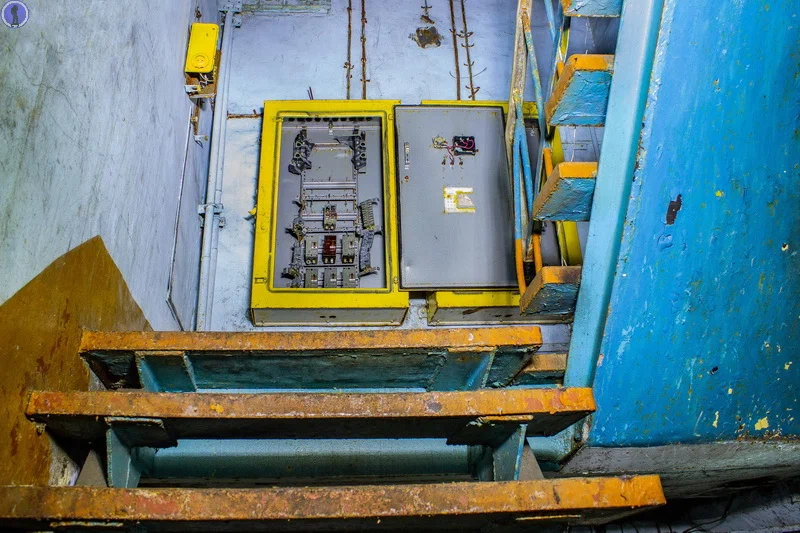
592	8
567	194
297	360
84	415
427	506
553	292
580	96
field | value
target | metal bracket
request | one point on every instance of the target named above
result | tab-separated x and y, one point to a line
200	139
230	5
507	457
128	451
201	210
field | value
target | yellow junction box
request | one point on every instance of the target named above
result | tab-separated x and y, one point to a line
202	47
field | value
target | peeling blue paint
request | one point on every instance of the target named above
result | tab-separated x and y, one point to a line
594	8
585	100
571	200
701	339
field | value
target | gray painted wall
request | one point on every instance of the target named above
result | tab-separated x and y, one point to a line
93	132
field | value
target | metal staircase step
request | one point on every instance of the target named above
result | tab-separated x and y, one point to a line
580	96
567	194
160	419
430	359
553	292
435	506
592	8
546	367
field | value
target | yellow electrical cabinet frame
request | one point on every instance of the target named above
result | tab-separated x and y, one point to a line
272	301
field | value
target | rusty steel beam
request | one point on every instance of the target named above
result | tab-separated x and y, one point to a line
84	415
309	341
334	360
576	500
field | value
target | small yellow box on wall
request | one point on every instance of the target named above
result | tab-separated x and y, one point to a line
202	47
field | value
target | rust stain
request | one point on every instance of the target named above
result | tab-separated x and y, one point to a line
218	506
427	37
254	114
369	340
41	328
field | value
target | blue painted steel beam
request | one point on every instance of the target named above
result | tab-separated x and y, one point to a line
704	314
632	67
282	460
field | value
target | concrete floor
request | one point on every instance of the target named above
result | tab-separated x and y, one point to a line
281	56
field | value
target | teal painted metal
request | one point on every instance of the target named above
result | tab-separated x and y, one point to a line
585	100
414	370
507	457
704	316
632	66
572	200
555	299
521	153
258	460
595	8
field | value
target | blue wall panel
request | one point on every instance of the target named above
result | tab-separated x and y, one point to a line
701	340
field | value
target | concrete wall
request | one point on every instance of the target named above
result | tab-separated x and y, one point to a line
93	131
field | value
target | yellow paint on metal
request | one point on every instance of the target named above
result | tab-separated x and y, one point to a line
528	108
549	275
546	362
384	306
563	171
567	232
202	47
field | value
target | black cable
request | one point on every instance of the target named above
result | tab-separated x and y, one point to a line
713	523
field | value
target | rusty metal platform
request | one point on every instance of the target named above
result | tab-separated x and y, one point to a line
448	359
475	417
436	506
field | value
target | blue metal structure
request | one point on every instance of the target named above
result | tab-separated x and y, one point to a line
699	284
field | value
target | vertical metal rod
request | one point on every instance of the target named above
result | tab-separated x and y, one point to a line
519	248
539	96
551	18
455	49
363	49
348	66
171	278
210	217
522	154
518	76
472	89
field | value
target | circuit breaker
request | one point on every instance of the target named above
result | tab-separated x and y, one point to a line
326	238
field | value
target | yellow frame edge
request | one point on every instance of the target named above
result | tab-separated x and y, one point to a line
263	294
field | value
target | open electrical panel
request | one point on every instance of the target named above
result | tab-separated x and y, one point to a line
330	204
